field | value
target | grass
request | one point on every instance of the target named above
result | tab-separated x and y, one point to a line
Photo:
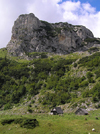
76	55
3	52
48	124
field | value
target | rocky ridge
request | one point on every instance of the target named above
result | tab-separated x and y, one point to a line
29	34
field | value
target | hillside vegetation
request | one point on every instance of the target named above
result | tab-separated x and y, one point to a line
50	80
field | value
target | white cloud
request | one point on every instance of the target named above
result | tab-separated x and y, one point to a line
49	10
70	6
87	8
78	13
9	11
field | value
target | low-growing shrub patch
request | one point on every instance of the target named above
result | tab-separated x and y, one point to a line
92	40
23	122
93	49
7	121
29	123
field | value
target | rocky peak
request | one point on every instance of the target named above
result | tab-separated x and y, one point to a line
27	20
29	34
83	32
25	24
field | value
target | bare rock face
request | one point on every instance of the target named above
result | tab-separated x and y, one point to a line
29	34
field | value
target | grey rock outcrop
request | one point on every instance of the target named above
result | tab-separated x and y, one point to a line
29	34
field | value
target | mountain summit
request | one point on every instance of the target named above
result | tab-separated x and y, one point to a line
29	34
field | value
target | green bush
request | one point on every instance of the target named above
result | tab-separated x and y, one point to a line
97	72
29	123
95	98
90	61
95	91
18	120
89	75
29	110
83	78
24	122
75	64
7	106
7	121
83	83
91	80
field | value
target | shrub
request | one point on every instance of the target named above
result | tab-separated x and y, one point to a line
97	72
29	123
29	110
7	121
91	80
89	75
95	91
95	98
18	120
90	61
75	64
33	101
7	106
83	78
24	122
83	83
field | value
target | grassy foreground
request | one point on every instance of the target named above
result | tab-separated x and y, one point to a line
55	124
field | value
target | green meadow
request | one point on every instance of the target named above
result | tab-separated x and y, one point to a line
68	123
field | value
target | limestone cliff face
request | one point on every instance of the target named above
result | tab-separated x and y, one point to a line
29	34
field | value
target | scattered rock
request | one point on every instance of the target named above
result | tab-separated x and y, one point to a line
93	129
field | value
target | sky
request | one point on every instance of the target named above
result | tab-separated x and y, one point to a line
76	12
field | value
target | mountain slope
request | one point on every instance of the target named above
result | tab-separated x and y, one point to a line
46	65
38	85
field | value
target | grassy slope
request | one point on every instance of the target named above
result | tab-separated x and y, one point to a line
66	124
3	52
